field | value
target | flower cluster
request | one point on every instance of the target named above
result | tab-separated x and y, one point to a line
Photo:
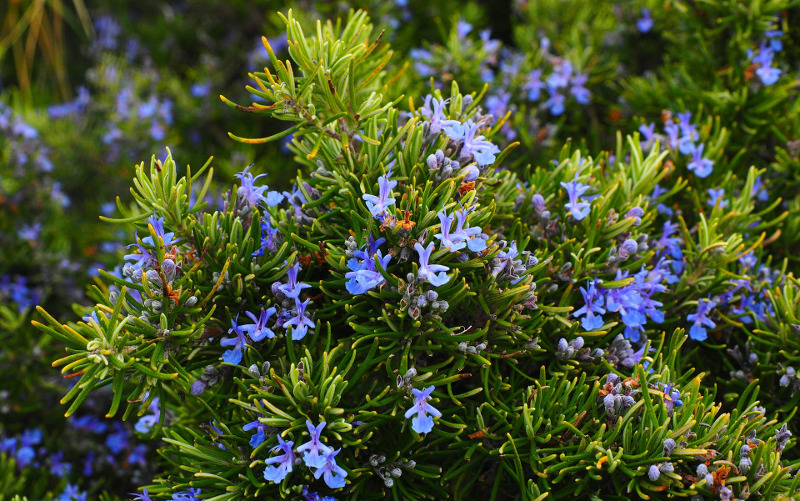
681	137
317	456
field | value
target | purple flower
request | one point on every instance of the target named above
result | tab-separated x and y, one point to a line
300	323
453	242
672	397
293	288
433	110
267	237
470	235
157	226
255	195
476	146
700	321
645	23
422	422
575	189
314	496
259	330
332	473
427	271
314	450
378	205
285	461
669	243
363	275
593	303
672	130
234	355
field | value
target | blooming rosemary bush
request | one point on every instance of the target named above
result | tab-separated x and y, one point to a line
420	317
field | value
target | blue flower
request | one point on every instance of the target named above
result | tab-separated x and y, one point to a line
285	461
645	23
765	71
672	397
433	110
57	466
700	321
669	243
575	189
300	322
453	242
332	473
560	76
555	103
157	225
470	235
90	424
648	133
378	205
314	496
141	256
422	422
363	275
267	237
700	166
234	355
260	435
72	493
188	495
255	195
144	496
293	288
119	440
578	90
775	42
593	304
476	146
138	455
259	329
533	84
314	450
427	271
146	423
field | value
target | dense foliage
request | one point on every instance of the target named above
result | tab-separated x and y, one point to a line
550	260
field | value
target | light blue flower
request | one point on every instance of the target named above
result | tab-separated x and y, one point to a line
422	422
